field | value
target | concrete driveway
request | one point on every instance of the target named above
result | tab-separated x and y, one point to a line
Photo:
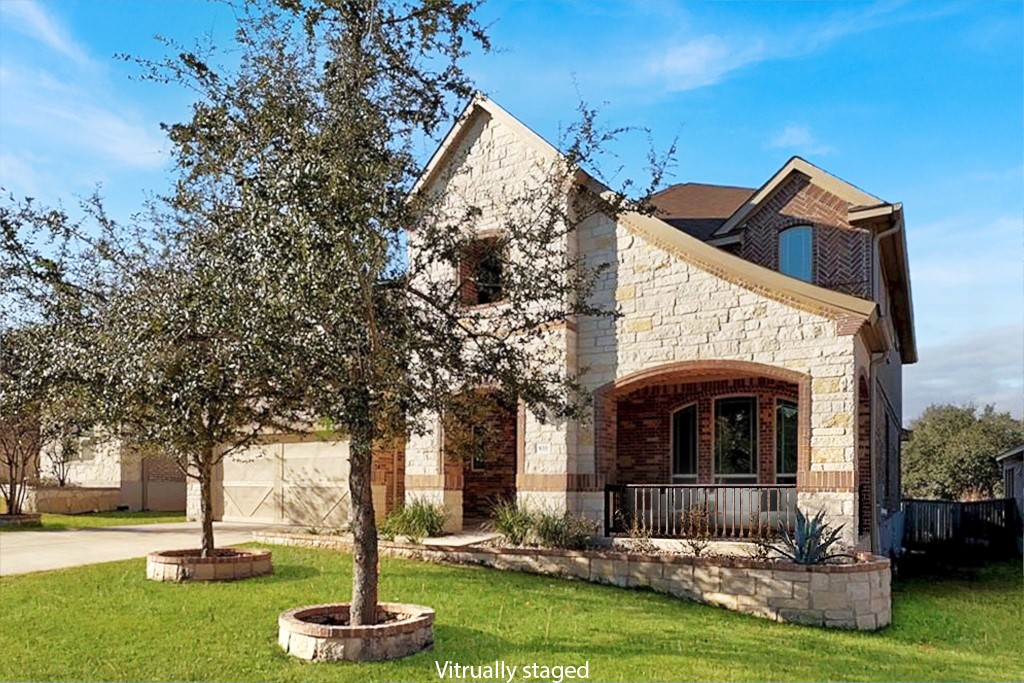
33	551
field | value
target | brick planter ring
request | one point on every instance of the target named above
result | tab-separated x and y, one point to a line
225	565
27	519
299	634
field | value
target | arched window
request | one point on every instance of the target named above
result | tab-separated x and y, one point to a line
796	252
684	445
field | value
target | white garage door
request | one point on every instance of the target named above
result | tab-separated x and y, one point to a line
288	483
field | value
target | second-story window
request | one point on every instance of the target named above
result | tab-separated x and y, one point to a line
482	273
796	252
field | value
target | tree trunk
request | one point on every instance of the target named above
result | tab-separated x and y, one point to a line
364	532
206	500
13	498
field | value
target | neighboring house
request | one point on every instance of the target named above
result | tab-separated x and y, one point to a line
755	366
1012	464
104	475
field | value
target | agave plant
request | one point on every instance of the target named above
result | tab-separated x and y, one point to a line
811	541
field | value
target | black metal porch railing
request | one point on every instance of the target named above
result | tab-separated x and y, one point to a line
718	511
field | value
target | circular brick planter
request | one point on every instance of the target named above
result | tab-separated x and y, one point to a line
26	519
406	630
227	564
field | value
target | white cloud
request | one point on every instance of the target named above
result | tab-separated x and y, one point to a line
800	139
31	19
703	61
692	62
122	140
18	176
81	116
986	366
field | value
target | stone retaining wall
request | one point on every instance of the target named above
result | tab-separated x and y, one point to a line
71	500
28	519
848	596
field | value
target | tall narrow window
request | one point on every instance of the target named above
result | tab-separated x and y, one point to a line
482	273
796	252
736	440
785	442
684	445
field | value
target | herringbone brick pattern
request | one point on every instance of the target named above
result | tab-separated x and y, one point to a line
842	253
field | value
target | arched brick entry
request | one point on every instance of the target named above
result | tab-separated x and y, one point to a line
669	386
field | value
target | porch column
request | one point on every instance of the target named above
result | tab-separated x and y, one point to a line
542	472
828	443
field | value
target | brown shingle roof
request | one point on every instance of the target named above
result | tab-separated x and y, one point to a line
698	209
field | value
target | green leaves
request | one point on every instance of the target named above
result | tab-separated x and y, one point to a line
952	449
811	540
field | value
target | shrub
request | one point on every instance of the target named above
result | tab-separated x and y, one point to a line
640	538
563	530
811	540
415	521
512	522
763	536
697	528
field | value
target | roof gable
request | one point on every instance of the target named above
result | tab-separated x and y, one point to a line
819	177
479	106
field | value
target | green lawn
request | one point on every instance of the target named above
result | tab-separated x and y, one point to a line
95	519
105	622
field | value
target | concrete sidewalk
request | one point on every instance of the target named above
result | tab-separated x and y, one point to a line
33	551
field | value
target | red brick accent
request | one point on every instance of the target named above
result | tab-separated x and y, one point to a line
643	440
842	253
606	411
826	482
468	267
389	470
163	469
494	479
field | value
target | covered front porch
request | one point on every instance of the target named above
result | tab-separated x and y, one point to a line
708	450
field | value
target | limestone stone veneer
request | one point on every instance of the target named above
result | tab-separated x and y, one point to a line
847	596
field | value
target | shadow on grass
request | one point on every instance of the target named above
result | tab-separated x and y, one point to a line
284	573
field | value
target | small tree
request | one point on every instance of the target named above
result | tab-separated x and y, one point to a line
951	451
152	323
19	419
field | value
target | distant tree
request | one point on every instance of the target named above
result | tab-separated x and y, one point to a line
951	451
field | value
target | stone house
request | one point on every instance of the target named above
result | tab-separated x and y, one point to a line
103	475
755	365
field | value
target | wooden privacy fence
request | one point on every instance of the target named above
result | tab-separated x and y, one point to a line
985	527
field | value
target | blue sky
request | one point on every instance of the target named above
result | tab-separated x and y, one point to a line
916	102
